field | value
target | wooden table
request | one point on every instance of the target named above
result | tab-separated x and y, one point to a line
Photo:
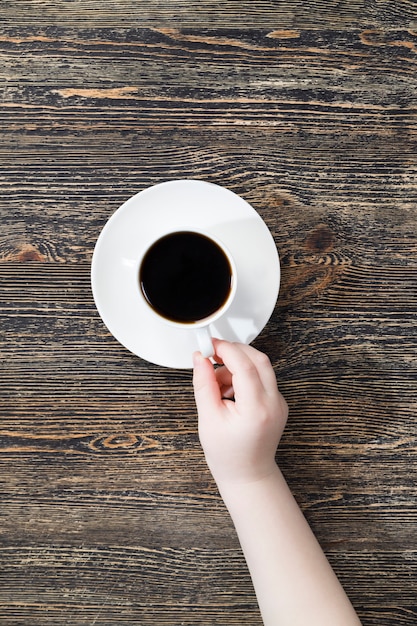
308	111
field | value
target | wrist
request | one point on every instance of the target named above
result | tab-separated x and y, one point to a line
241	492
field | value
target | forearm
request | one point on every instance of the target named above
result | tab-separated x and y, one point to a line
293	580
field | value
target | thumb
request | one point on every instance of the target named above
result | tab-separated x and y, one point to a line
206	389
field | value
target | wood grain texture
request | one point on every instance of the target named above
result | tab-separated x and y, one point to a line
308	110
212	13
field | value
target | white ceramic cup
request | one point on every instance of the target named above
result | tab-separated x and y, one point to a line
201	327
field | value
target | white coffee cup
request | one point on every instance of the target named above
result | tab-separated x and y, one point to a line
188	280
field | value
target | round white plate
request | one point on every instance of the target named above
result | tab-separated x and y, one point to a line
168	207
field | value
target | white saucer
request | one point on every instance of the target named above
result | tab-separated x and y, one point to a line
173	206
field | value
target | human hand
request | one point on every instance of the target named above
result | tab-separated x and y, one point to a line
239	438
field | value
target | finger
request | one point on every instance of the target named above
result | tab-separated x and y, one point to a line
224	380
224	377
206	388
263	366
247	384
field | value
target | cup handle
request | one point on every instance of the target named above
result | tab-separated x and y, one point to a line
205	342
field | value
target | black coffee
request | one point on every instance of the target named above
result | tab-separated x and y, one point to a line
185	277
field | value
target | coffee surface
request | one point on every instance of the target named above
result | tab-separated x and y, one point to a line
185	277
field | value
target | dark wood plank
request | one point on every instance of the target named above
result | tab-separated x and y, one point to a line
246	14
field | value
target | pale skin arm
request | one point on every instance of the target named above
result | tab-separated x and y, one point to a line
293	581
